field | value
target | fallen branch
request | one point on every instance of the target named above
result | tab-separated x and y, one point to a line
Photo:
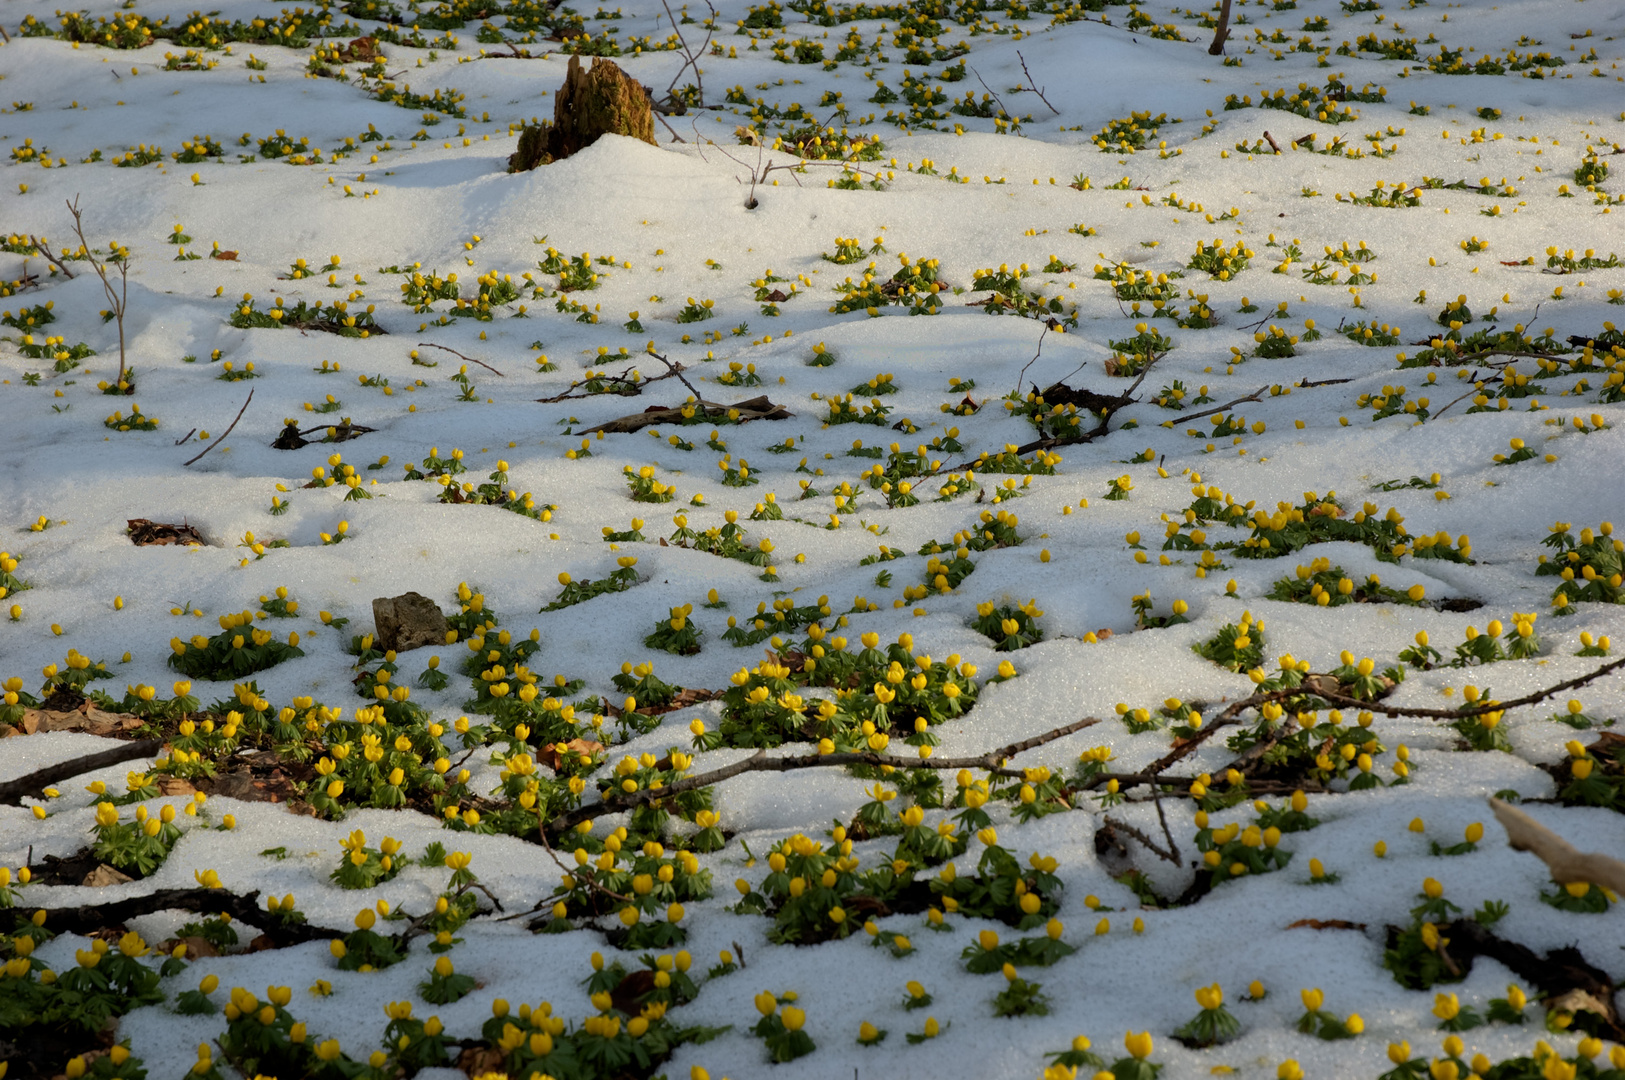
992	761
12	791
224	433
1150	844
1476	710
758	408
1567	865
291	438
45	251
676	370
86	918
454	352
629	383
1254	396
1457	401
1106	406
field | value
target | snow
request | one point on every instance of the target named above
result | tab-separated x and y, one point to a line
666	210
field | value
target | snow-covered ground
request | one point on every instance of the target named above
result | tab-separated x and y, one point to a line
674	220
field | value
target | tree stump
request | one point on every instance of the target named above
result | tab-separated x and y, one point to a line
407	622
592	102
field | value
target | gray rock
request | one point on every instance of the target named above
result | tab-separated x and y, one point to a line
408	621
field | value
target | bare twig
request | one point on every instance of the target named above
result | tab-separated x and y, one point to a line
743	412
1306	383
628	386
1271	140
581	873
1458	401
675	137
760	172
691	59
992	761
1162	818
1022	374
1476	710
1254	396
115	298
224	433
677	370
1150	844
45	250
1033	85
185	437
454	352
991	94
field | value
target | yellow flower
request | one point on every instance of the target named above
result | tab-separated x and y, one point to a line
1139	1046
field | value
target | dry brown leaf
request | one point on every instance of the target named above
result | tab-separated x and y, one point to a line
103	876
552	755
174	785
195	947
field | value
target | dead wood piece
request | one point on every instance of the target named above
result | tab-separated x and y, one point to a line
757	408
1325	924
1567	865
12	791
84	918
592	102
1062	394
289	439
144	533
408	621
292	438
